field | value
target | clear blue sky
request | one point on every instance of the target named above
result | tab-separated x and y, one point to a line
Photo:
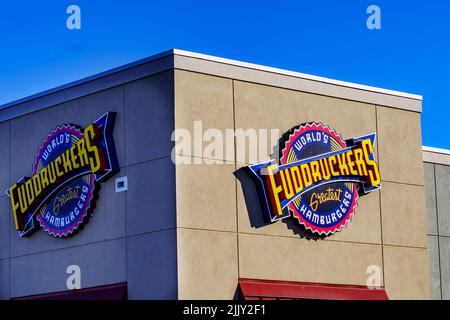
410	53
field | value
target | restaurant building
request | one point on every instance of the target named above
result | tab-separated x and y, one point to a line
116	208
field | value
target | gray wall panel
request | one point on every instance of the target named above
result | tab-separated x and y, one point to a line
4	157
151	202
100	263
4	279
4	227
443	199
435	274
152	266
437	186
149	118
430	193
444	251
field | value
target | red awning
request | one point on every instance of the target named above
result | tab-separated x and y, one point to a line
268	290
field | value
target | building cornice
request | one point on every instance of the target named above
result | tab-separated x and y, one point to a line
201	63
436	155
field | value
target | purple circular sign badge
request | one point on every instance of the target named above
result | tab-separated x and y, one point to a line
325	209
67	208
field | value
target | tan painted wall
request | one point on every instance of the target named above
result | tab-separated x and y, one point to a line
216	244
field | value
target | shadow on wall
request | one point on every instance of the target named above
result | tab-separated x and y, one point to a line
254	208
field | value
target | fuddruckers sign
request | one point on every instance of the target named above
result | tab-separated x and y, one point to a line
60	193
317	179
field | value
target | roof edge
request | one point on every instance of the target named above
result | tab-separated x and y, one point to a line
297	74
436	155
96	76
174	58
220	60
436	150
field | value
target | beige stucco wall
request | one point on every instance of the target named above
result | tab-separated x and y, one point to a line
216	244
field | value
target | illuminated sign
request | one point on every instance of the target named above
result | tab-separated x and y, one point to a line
317	178
60	193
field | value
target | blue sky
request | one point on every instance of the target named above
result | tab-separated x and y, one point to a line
410	53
